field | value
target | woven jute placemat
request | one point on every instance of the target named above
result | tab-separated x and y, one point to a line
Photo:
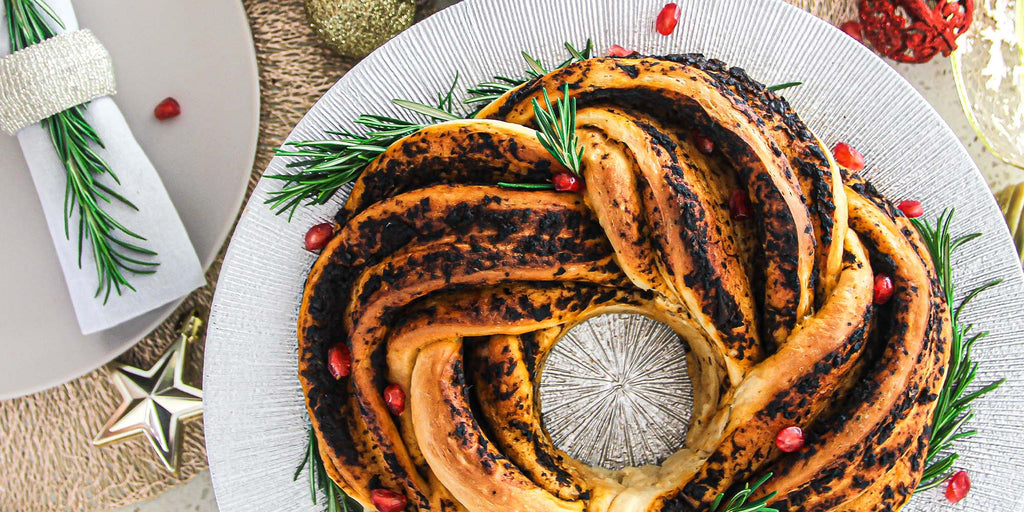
47	461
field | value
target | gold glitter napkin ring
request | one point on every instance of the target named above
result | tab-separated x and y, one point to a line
53	76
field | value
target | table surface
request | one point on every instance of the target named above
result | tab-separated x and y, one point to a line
933	80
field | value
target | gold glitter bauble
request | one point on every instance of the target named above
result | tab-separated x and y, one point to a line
1011	200
354	28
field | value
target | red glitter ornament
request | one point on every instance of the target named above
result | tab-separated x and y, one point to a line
914	30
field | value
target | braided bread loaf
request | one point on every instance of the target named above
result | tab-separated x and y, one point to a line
455	289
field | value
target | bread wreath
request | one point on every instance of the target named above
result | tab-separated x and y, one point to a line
455	288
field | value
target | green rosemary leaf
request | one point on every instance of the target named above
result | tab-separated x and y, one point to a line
431	112
527	186
974	293
967	399
782	86
579	55
535	67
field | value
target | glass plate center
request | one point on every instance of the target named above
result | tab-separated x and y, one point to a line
615	392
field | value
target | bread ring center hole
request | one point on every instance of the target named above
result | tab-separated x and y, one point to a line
615	392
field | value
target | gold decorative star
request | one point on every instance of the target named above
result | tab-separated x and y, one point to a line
156	401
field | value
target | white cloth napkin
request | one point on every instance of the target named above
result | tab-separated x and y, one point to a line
179	272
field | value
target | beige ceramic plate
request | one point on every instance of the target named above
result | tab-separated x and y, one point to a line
198	51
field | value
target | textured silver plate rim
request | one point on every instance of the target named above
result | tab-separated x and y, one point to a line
255	419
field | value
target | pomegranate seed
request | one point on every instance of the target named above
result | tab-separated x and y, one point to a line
567	182
387	501
739	205
167	109
790	439
668	18
958	487
883	289
704	143
394	397
848	157
339	360
853	29
618	51
912	209
318	236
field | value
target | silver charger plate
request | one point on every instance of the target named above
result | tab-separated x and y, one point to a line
255	418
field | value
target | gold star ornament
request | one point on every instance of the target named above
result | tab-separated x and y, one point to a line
156	401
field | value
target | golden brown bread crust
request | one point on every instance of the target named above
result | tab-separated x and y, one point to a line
679	93
689	230
443	283
500	372
457	448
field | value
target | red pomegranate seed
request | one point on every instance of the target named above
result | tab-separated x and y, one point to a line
912	209
848	157
883	289
790	439
739	205
339	360
167	109
958	487
394	397
618	51
853	29
668	18
318	236
567	182
387	501
704	143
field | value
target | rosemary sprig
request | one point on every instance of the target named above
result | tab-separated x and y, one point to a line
337	500
327	165
72	137
953	409
486	92
556	129
738	502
